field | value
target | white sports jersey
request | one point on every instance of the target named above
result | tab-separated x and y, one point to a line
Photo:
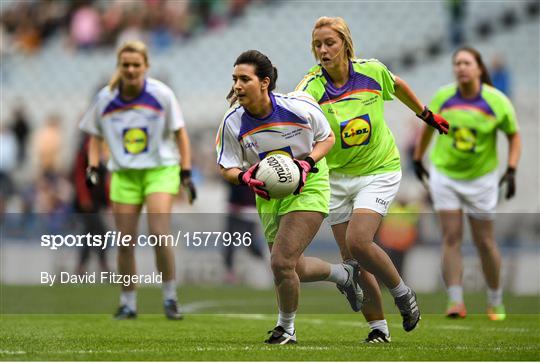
139	132
295	124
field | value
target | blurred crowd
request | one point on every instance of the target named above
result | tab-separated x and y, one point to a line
25	26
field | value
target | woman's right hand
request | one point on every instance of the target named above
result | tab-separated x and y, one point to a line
247	178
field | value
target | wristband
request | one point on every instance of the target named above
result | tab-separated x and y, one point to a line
424	114
185	173
310	161
241	178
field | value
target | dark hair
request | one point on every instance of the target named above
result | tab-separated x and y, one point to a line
484	77
263	68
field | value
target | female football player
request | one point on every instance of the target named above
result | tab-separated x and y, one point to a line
463	176
140	121
259	123
364	162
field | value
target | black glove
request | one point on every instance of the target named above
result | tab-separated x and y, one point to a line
510	179
420	171
187	183
92	176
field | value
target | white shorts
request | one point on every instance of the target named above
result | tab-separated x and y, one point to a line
349	192
476	197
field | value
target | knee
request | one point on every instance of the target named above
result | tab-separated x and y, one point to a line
359	246
126	251
485	244
282	267
452	240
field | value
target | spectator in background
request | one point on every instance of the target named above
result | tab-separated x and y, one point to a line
456	19
242	218
85	27
47	146
88	205
399	230
500	75
21	128
111	22
133	28
8	163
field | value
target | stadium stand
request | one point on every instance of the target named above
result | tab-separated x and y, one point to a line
62	80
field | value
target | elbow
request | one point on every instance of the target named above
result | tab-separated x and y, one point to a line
331	140
398	82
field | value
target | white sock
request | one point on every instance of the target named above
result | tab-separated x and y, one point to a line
169	290
338	274
382	325
129	298
455	293
400	290
495	296
286	321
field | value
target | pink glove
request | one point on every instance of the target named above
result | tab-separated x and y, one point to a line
246	178
305	166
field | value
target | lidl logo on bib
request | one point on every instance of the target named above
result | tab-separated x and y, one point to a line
135	140
286	151
355	132
465	139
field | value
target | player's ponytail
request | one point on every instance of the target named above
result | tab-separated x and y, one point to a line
484	77
263	69
273	79
135	46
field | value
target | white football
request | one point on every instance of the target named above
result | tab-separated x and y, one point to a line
279	174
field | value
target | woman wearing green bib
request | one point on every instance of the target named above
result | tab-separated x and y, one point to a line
464	178
365	171
141	122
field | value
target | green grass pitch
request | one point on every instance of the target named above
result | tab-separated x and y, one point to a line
75	323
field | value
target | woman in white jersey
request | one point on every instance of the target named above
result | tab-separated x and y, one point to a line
364	162
464	174
258	124
141	122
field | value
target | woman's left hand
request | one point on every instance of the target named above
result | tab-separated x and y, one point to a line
305	166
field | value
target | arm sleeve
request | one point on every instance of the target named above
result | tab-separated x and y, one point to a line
508	123
388	81
311	84
319	123
228	149
90	123
174	115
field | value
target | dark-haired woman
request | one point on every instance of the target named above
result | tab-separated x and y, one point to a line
259	123
464	177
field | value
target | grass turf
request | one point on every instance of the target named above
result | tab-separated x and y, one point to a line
230	324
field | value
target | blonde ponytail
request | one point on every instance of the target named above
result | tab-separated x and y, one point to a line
135	46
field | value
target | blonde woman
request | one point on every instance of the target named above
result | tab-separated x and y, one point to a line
364	162
141	122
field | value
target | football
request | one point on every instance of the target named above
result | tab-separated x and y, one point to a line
279	174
